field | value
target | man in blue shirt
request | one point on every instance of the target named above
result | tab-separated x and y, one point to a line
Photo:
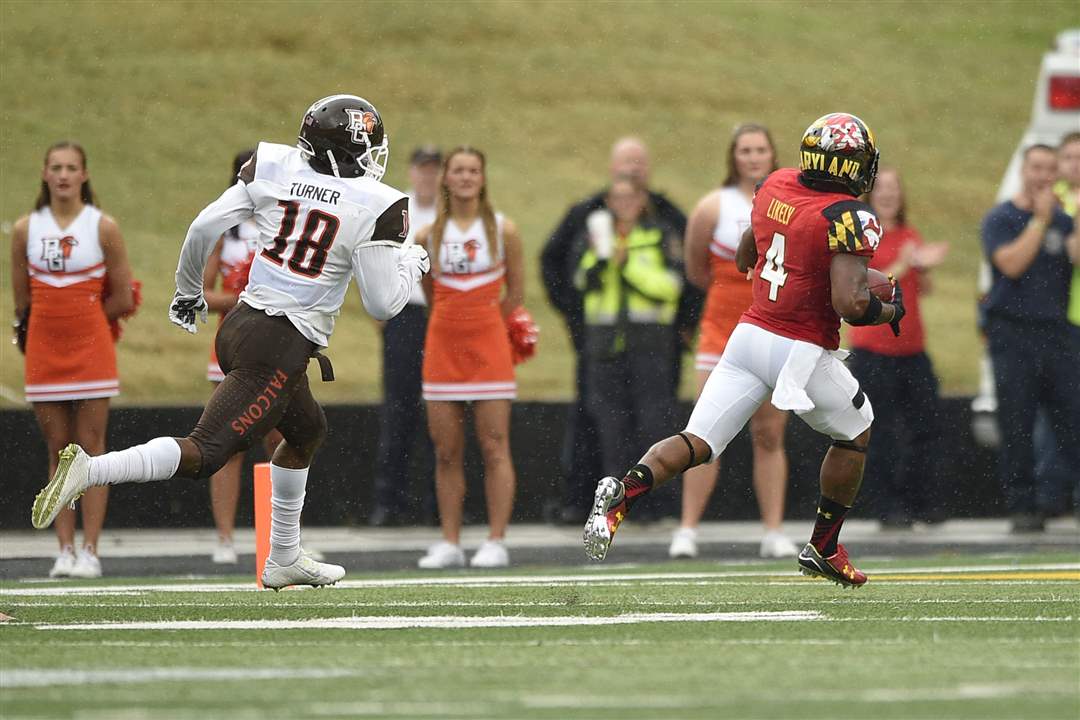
1035	350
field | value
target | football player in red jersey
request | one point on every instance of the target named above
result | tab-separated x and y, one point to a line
809	245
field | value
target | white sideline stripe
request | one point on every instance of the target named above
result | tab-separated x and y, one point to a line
479	580
443	621
464	622
44	677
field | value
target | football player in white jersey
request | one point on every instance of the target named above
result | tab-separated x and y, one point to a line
324	217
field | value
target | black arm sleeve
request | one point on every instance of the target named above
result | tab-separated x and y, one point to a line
393	224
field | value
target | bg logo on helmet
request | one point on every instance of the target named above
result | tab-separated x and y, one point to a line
361	122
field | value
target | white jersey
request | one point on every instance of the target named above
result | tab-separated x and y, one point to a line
314	235
420	216
734	218
468	258
64	256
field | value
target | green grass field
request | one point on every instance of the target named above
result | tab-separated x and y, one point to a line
163	95
942	637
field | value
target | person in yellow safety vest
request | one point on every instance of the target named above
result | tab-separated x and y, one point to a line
1067	188
631	282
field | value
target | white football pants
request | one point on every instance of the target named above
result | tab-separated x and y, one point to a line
746	376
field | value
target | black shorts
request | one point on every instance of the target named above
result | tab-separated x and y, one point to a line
264	358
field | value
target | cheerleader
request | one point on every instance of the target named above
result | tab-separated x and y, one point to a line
476	284
71	278
712	236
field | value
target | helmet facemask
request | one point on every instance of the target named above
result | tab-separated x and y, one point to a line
373	160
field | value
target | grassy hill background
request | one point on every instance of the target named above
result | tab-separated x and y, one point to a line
163	94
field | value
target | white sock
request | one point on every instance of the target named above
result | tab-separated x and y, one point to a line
287	487
156	460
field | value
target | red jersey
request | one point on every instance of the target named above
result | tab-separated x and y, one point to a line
879	338
797	231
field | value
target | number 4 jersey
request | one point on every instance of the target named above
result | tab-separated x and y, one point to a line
797	231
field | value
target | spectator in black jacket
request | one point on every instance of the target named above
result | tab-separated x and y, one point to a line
560	259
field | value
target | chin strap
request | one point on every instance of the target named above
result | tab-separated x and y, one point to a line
333	163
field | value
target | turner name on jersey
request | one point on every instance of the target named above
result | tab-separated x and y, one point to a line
304	191
311	226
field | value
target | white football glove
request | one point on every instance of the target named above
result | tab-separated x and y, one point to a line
415	258
185	309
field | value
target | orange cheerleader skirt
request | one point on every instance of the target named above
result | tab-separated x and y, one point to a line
70	354
467	354
730	295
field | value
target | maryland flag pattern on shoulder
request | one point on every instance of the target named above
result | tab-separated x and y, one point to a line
853	227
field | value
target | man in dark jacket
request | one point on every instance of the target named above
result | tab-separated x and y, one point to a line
561	257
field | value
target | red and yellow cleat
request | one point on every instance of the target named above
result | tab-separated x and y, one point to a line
836	567
608	512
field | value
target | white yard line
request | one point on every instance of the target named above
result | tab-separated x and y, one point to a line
44	677
441	621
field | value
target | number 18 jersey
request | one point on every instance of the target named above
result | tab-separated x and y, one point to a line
797	231
310	228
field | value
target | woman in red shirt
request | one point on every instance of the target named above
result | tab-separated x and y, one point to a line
896	371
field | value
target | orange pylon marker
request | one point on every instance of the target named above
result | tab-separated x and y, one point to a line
262	519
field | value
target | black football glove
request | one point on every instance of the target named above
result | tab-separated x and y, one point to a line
899	311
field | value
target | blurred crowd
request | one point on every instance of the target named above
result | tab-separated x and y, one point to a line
626	269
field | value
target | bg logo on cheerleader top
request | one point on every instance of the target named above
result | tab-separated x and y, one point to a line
55	252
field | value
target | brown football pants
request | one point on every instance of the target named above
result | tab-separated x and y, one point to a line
265	361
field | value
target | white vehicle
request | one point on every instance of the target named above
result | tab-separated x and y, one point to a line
1056	111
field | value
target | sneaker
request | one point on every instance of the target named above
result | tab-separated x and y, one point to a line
224	552
492	554
683	543
775	544
304	571
836	567
67	486
608	512
86	565
65	561
442	555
